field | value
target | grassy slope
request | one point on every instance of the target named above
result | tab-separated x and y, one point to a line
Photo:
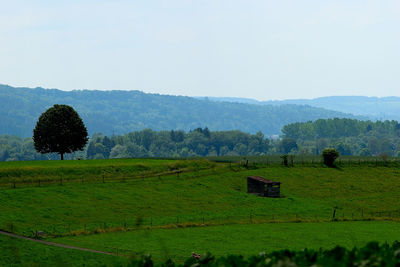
241	239
218	194
14	252
218	197
31	171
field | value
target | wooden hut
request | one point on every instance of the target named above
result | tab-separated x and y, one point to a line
257	185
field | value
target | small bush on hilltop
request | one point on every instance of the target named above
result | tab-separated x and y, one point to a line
330	155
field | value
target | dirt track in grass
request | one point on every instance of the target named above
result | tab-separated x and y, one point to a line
54	244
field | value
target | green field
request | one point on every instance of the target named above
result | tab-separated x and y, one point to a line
188	198
15	252
245	240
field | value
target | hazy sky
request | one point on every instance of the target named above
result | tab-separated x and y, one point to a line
258	49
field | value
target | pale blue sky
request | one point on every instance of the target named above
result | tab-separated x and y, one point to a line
257	49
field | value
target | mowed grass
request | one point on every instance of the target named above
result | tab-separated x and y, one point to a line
245	240
16	252
216	195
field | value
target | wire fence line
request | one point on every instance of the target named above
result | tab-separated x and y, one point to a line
103	178
235	165
301	160
181	221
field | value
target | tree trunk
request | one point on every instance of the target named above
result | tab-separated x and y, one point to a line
62	156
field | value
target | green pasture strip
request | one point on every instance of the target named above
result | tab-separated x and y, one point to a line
246	240
41	172
213	196
16	252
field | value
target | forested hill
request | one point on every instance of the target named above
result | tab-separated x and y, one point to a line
379	108
119	112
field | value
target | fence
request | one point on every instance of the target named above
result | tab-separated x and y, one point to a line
313	161
148	223
235	164
184	173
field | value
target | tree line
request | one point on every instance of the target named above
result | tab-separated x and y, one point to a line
348	136
148	143
177	143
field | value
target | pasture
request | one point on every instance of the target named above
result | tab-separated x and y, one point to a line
239	239
154	205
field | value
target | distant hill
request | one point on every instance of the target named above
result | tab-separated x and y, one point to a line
120	112
379	108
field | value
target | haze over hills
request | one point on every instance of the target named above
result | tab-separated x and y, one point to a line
119	112
377	108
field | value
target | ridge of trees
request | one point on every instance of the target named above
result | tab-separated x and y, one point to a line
348	136
121	112
149	143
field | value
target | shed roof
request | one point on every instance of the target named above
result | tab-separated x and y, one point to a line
262	179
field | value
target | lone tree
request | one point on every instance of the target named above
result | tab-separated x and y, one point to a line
330	155
59	130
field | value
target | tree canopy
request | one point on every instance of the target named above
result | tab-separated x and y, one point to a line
121	112
59	130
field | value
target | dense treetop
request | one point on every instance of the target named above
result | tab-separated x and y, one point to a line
59	130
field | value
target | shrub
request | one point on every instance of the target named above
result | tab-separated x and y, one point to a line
330	155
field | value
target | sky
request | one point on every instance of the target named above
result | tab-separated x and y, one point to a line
264	50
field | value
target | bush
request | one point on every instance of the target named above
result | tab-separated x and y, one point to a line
330	155
372	254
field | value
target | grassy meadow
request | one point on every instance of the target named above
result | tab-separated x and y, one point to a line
154	205
246	240
15	252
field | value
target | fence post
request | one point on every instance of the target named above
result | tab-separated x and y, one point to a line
103	178
14	183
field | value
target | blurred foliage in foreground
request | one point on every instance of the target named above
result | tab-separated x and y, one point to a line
372	254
